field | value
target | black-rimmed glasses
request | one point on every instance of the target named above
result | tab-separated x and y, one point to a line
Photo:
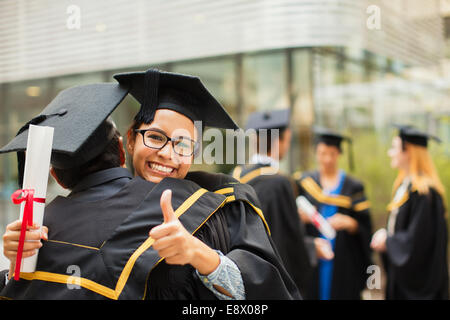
156	139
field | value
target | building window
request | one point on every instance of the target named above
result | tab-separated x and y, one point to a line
265	82
218	76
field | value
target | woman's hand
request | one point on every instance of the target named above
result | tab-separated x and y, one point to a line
378	242
174	243
323	249
343	222
31	245
303	216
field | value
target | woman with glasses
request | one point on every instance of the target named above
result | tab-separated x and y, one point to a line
164	234
414	244
230	253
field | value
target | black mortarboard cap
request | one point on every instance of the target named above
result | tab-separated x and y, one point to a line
409	133
276	119
332	138
78	117
329	137
155	89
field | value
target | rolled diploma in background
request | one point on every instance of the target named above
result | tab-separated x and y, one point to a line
37	164
317	219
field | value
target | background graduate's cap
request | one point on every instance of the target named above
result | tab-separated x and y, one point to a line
276	119
78	117
409	133
332	138
155	89
329	137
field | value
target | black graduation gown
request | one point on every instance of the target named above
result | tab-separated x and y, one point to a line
275	193
114	255
416	256
242	237
352	251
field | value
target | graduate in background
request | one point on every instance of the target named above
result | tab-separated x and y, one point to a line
414	246
275	191
339	198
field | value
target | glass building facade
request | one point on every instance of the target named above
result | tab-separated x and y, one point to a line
361	95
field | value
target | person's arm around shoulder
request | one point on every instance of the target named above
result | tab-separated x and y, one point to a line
177	246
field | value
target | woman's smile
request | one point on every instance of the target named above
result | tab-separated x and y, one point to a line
160	169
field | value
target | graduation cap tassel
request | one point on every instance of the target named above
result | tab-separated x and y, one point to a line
185	94
148	107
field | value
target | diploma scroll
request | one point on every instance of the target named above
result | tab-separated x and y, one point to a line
37	163
316	218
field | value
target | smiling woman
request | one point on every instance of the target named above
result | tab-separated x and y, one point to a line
162	142
154	159
179	235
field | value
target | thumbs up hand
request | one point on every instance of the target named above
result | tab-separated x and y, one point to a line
174	243
166	207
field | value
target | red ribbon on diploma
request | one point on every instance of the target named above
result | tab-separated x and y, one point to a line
27	221
315	220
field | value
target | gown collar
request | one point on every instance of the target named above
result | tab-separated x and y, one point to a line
101	177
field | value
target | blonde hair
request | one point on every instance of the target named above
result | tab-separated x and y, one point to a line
422	171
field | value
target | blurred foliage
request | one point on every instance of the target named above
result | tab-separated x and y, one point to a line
442	162
372	167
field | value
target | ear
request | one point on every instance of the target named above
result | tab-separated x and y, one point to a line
130	143
53	173
121	152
